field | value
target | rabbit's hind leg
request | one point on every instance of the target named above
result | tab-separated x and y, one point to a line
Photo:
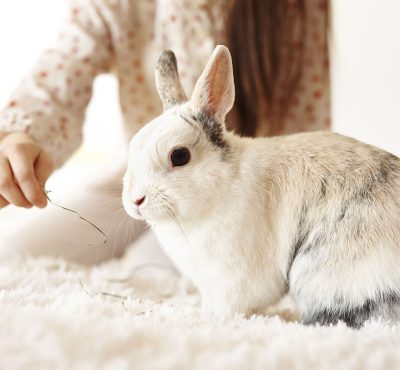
386	306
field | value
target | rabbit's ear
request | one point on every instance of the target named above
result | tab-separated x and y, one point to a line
167	80
214	92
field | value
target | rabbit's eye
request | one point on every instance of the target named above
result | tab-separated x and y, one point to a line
180	157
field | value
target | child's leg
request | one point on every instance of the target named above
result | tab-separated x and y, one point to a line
57	232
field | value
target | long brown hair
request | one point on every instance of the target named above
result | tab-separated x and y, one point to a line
266	41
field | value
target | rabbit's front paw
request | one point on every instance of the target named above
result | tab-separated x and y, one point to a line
286	309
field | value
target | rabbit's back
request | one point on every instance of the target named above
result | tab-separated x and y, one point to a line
343	197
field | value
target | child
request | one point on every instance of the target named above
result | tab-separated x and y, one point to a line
280	56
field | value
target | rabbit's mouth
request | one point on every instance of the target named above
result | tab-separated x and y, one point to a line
133	212
130	208
148	211
137	214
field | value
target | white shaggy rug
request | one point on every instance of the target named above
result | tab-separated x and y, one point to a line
55	315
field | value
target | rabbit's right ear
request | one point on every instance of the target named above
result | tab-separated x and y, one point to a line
214	92
168	84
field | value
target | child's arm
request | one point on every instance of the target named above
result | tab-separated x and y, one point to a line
50	103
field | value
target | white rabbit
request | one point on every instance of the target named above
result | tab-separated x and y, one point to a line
248	220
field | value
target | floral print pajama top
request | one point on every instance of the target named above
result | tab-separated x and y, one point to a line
125	37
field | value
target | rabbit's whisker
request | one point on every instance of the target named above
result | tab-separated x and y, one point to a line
164	201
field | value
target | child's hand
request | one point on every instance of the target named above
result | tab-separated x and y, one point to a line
24	169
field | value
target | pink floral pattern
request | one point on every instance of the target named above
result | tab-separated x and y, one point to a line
125	37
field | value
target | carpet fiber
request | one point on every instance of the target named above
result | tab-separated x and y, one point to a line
56	315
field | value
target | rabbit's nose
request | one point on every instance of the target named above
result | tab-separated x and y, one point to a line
139	201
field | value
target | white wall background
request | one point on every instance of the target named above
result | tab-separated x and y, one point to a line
366	70
365	66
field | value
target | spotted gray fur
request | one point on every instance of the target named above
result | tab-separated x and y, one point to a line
167	80
213	129
354	316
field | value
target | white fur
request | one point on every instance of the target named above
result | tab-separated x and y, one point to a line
230	218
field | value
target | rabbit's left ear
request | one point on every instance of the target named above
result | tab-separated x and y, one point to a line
168	84
214	92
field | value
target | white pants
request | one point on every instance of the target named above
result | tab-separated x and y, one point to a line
58	232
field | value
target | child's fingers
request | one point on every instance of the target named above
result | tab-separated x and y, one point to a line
22	167
43	168
3	202
9	190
